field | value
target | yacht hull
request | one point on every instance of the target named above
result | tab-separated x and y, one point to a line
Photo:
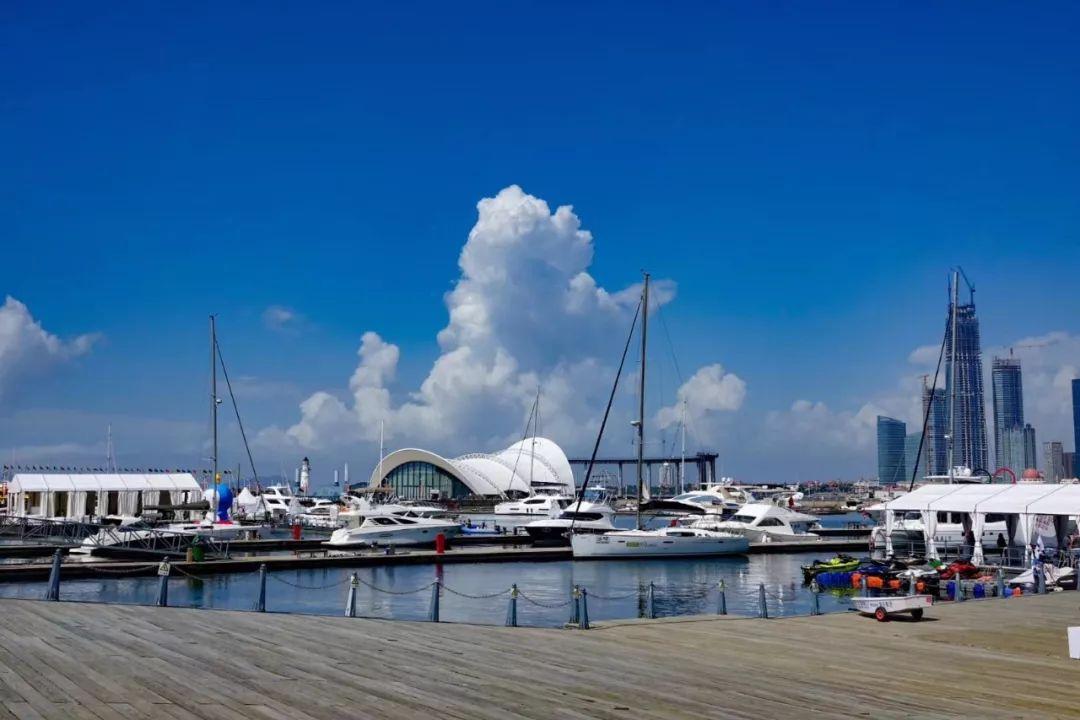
632	545
364	537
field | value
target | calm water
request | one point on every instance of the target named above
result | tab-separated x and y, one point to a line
617	589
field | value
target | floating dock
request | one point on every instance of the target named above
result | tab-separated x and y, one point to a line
308	555
986	659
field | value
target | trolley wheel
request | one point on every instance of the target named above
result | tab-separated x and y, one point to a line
880	615
917	614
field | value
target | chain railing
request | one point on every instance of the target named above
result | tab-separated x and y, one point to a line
650	597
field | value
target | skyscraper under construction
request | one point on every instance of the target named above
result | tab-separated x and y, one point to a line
969	414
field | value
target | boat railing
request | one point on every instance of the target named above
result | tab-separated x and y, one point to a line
105	535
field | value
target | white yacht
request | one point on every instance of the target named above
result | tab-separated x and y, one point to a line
666	542
764	522
280	501
139	533
724	499
392	529
591	515
534	504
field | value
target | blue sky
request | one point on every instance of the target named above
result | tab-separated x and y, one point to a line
805	174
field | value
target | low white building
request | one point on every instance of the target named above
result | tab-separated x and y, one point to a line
85	496
532	465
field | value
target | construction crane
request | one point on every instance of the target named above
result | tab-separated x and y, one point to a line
1052	341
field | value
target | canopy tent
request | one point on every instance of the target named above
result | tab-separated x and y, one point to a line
1025	500
66	494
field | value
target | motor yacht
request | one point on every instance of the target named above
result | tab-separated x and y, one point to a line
280	501
540	504
665	542
591	515
721	499
764	522
392	529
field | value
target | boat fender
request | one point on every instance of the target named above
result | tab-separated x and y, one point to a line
856	580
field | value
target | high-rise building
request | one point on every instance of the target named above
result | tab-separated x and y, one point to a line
1053	455
1076	414
934	410
913	461
891	438
969	421
1030	459
1069	465
1008	404
1012	451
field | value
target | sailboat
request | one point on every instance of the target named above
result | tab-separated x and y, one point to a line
665	542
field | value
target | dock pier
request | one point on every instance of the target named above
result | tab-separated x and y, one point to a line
63	660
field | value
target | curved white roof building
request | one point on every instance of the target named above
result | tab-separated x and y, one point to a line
534	464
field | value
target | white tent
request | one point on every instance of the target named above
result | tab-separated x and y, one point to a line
1025	500
75	496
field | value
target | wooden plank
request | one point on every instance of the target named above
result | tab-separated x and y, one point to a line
84	660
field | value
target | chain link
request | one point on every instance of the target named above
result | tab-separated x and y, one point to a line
537	603
392	592
129	571
475	597
635	593
301	586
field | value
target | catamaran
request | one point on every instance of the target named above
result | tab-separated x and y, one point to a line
641	543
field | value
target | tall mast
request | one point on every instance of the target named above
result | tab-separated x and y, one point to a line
682	454
952	372
213	400
381	425
641	399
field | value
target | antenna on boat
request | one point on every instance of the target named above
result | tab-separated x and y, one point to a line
381	426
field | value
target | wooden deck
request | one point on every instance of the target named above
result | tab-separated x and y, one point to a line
989	659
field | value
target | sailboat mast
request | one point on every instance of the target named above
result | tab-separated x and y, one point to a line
213	400
682	453
641	399
952	373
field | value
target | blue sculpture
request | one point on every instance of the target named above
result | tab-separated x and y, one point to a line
224	503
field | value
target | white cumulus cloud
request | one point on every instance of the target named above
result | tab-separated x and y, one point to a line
524	312
281	319
709	390
27	348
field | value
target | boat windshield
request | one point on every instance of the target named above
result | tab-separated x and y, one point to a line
743	518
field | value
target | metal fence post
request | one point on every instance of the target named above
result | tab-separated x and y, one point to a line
1001	582
1040	579
865	586
721	608
350	602
433	610
575	605
53	593
815	604
763	609
584	609
163	583
511	611
959	596
651	607
260	602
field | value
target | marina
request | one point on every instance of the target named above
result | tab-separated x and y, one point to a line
66	660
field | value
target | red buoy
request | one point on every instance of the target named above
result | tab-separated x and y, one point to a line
296	531
440	544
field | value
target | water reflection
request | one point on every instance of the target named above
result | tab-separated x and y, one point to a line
618	589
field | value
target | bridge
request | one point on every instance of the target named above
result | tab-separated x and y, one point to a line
704	464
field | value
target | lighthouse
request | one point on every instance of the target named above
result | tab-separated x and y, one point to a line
305	476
